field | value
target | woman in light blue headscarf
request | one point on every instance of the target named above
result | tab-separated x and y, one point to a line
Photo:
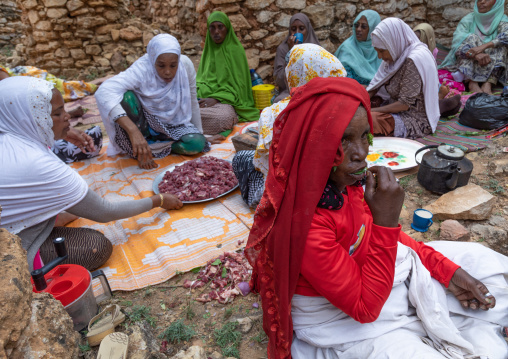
357	53
480	46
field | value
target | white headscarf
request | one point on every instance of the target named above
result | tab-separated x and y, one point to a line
396	36
35	185
169	102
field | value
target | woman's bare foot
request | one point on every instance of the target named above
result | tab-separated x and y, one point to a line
474	87
487	88
77	112
443	91
64	218
450	106
215	139
148	165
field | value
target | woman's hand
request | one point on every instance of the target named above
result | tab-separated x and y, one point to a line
81	140
472	52
141	150
470	292
291	41
207	102
482	59
169	201
384	196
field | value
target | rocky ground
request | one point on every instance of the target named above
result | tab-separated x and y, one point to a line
151	311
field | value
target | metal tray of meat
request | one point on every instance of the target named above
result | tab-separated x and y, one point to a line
158	179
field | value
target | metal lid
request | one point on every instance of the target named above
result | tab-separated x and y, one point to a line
450	152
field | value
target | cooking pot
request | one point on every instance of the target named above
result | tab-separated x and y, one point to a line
71	284
443	168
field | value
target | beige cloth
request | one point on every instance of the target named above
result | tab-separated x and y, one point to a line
218	118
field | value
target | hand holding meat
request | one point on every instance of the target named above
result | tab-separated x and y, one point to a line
384	196
470	292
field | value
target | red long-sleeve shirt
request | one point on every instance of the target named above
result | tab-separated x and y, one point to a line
351	261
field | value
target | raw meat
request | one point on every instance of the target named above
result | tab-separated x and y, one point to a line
203	178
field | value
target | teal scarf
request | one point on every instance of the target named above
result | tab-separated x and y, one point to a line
484	25
360	55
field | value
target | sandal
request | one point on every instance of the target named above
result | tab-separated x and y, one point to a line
102	324
114	346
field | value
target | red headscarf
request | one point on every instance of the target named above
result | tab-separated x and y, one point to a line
301	157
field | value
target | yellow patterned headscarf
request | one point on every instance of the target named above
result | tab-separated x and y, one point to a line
307	61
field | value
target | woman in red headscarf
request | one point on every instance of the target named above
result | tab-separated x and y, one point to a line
318	237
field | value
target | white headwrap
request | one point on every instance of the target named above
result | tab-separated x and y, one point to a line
169	102
396	36
35	184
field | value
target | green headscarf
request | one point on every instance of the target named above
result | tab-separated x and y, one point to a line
484	25
360	55
223	72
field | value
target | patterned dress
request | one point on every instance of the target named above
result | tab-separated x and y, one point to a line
352	75
493	72
406	86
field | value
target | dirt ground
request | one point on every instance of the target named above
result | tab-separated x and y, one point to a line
168	302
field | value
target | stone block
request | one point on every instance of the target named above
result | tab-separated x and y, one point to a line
499	167
283	20
33	17
274	40
131	33
344	11
29	4
201	6
258	4
452	230
322	34
78	54
470	202
115	35
67	63
455	13
111	15
43	25
93	49
62	52
83	63
82	11
88	22
266	55
252	58
103	38
291	4
106	29
54	3
246	141
42	47
73	5
220	2
66	35
265	16
101	61
56	13
265	71
259	34
320	14
239	22
73	43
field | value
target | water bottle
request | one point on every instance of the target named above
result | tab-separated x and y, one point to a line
255	78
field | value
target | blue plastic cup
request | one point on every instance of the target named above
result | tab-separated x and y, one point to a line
299	38
422	220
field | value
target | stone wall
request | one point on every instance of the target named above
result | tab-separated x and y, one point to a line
11	28
68	37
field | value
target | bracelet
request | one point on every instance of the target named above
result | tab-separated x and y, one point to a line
162	199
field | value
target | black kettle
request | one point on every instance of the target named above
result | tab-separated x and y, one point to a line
444	168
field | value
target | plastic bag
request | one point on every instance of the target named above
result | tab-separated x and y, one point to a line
485	112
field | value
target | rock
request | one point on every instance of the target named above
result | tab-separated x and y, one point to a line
142	342
29	4
345	10
257	4
147	36
118	62
265	71
43	25
56	13
244	324
73	5
115	35
201	6
283	20
291	4
50	333
498	221
219	2
131	33
78	54
101	61
496	238
452	230
265	16
259	34
266	55
341	31
500	167
320	14
274	40
469	202
252	58
88	22
239	22
93	49
194	352
454	13
16	294
54	3
33	16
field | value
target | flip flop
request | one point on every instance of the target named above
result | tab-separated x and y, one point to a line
114	346
103	324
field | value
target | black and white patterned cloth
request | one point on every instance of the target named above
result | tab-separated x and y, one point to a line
70	153
166	133
250	181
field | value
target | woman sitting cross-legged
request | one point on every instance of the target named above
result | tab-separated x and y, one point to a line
480	46
356	53
338	278
36	186
151	109
223	79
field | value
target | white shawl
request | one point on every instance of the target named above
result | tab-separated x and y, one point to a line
169	102
35	185
396	36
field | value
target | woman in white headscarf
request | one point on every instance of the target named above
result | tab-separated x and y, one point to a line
409	75
35	185
151	109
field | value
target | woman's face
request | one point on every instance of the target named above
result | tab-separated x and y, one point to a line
61	124
167	66
362	29
298	26
485	5
355	145
218	32
384	55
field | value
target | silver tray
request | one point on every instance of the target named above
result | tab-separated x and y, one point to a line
158	179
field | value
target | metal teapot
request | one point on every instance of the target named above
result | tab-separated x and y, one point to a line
443	169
